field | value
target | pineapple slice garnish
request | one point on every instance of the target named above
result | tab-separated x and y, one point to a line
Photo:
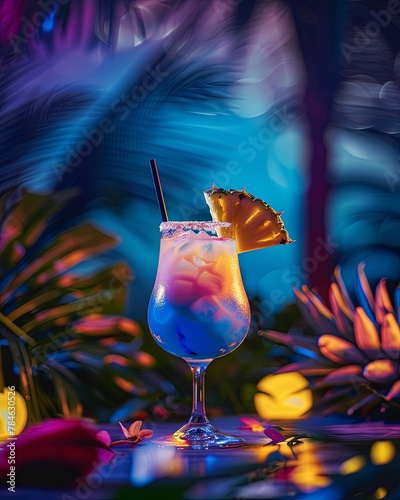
256	224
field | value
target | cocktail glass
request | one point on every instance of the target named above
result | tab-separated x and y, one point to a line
198	311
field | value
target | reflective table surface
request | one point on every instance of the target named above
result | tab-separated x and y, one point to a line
327	458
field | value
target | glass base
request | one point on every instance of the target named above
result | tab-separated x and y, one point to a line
199	437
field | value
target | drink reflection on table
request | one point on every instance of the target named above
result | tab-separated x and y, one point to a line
315	466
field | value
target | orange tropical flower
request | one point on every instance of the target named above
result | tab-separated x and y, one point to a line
354	348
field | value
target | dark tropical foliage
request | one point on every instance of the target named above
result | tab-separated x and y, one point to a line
62	315
352	352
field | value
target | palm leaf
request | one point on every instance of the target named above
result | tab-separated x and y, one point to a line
63	315
25	222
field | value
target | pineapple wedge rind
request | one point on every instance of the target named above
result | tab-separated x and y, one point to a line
256	224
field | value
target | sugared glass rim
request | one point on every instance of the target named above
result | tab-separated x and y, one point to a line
198	224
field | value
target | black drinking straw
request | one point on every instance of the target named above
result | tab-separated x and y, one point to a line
159	193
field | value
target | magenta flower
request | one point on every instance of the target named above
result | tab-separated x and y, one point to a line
55	452
274	436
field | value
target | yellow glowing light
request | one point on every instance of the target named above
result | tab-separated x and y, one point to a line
309	474
308	480
13	413
382	452
284	395
262	453
380	493
352	465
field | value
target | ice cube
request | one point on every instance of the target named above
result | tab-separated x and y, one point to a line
198	261
205	308
210	284
206	252
184	267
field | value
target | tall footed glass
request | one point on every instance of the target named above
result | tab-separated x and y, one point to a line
198	311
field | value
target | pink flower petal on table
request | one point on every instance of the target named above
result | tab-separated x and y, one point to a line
381	371
134	429
366	334
339	350
390	336
383	304
104	455
145	434
274	435
104	437
124	431
394	391
252	424
346	375
343	315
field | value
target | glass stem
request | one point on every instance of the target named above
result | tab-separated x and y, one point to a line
198	415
